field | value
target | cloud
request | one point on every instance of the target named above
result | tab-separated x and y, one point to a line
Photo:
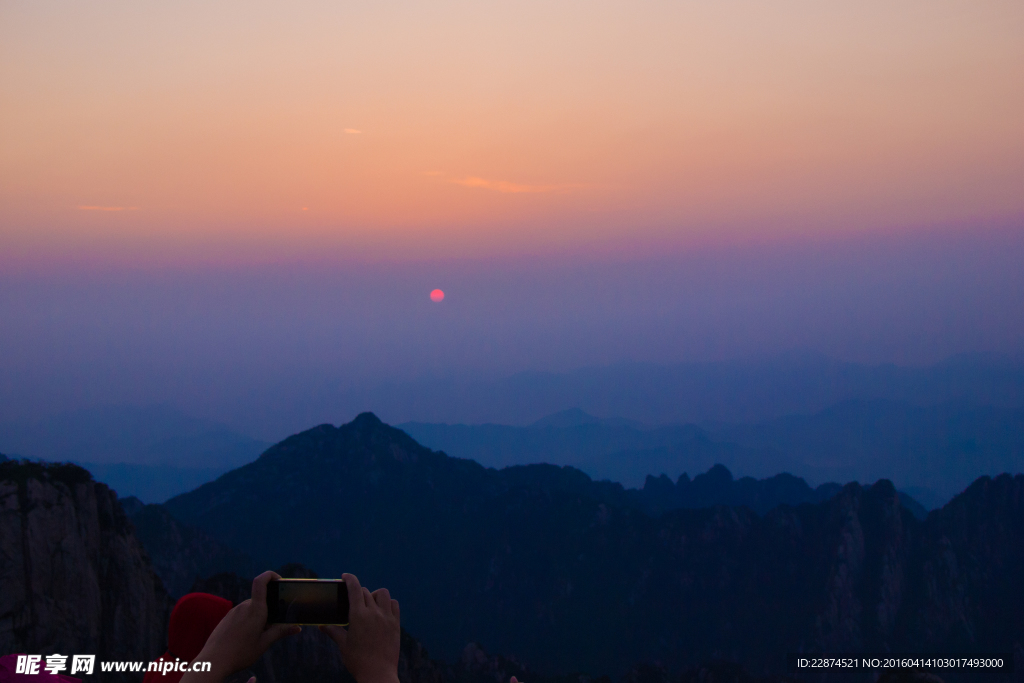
512	188
89	207
353	131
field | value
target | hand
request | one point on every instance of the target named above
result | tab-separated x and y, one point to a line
371	644
241	637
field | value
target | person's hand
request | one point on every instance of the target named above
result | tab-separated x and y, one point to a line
241	637
370	646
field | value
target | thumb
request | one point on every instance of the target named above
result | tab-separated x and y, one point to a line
337	633
277	632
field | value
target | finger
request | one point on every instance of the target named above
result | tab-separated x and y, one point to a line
277	632
367	598
395	611
513	680
382	598
355	591
252	680
337	634
259	588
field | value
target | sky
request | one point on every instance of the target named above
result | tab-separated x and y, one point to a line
209	203
273	349
228	132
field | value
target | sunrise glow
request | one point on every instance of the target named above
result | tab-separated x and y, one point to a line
451	128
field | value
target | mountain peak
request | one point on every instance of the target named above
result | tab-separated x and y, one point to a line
573	417
718	474
365	420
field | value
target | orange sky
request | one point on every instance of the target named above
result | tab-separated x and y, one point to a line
198	130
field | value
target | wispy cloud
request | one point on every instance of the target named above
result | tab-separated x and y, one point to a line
507	187
353	131
90	207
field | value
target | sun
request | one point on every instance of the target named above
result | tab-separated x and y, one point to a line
437	295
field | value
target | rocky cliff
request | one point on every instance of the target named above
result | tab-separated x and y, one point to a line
75	579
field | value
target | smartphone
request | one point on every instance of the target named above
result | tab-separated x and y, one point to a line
307	601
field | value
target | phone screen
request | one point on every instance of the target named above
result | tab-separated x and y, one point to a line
307	601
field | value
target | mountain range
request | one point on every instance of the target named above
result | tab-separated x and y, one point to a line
932	452
930	429
748	390
183	553
77	580
556	571
565	573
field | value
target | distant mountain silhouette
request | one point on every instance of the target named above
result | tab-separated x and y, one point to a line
564	573
732	391
612	449
152	483
153	452
140	435
574	417
932	452
937	449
